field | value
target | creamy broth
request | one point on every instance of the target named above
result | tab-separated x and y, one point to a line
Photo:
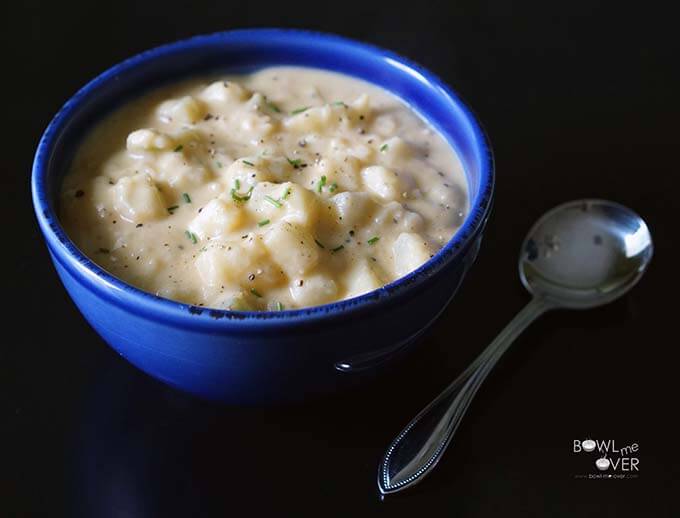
286	188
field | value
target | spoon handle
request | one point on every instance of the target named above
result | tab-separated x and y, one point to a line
419	446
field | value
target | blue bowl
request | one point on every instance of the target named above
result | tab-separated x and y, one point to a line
249	357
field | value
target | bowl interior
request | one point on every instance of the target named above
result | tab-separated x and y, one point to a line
248	50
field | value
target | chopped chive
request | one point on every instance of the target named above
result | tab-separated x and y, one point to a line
286	194
373	240
172	209
383	148
274	202
333	187
219	164
322	182
191	236
300	110
241	197
186	197
279	306
319	244
256	293
179	148
248	163
237	183
337	248
295	163
339	103
273	107
263	223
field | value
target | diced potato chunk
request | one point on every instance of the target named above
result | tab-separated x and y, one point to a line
448	195
382	182
179	172
399	218
217	218
361	106
410	251
343	171
361	279
137	199
395	151
353	208
287	201
221	92
279	169
231	261
148	140
301	205
313	290
248	171
291	247
256	125
312	119
253	121
186	109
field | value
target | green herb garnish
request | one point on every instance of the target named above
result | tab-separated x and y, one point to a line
300	110
273	107
339	103
236	196
333	187
322	182
279	306
373	240
337	248
219	164
319	244
186	197
172	209
248	163
286	194
191	236
256	293
295	163
383	148
274	202
237	183
179	148
263	223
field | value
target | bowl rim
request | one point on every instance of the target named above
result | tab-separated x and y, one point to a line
122	293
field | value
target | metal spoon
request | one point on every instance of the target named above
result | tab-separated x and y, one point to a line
579	255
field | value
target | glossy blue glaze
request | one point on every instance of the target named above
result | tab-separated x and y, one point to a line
246	357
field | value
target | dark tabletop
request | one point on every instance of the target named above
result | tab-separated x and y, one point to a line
579	101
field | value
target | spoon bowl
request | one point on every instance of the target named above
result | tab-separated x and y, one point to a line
585	253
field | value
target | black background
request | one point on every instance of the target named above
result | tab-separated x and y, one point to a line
579	101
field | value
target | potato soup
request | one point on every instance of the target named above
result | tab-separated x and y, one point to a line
286	188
